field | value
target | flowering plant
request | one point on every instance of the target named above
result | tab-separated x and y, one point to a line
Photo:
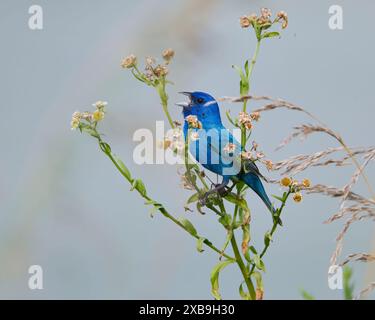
249	255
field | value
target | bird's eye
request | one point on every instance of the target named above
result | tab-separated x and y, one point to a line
200	100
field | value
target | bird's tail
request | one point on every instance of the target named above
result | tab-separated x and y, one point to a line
254	182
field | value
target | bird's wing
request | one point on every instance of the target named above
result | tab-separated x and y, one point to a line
211	150
218	150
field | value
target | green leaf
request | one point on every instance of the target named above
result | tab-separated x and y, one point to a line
199	208
155	206
247	68
266	26
278	198
348	286
259	263
122	167
258	279
105	147
91	132
267	238
227	240
230	118
240	72
193	198
244	295
236	225
306	295
244	87
237	201
188	226
226	220
215	278
200	242
270	34
139	186
253	250
244	83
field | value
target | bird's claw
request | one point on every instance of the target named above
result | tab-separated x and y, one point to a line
221	190
203	201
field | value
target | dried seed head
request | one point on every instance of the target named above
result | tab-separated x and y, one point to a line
259	293
252	17
283	18
186	183
265	13
255	116
282	15
129	61
245	22
168	54
150	61
260	155
244	119
246	155
160	70
77	115
193	121
269	165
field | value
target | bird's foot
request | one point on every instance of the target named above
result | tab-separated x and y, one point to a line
221	189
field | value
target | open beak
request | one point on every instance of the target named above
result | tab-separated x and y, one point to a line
185	104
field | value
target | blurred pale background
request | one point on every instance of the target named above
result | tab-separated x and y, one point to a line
64	207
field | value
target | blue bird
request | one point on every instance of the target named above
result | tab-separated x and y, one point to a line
216	149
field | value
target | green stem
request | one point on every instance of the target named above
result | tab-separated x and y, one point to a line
237	254
242	267
274	227
252	64
244	107
164	101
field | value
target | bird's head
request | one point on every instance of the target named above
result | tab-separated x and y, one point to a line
203	106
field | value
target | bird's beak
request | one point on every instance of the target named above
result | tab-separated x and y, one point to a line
185	104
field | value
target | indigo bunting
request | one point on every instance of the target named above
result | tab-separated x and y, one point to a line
215	148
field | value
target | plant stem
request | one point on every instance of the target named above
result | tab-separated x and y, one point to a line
164	101
244	107
252	64
274	227
242	267
237	254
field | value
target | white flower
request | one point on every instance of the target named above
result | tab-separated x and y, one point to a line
74	123
229	148
100	104
194	136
